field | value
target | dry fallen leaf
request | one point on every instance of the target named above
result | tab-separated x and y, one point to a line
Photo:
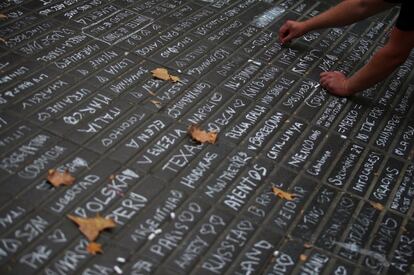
3	16
3	40
57	178
303	257
202	136
163	74
94	248
377	206
91	227
307	245
282	194
156	103
151	93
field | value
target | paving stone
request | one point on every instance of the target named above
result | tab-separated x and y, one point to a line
402	199
285	259
24	233
244	187
337	223
234	240
98	121
77	94
133	201
262	247
17	159
405	141
62	201
314	213
27	85
187	217
386	181
345	166
319	165
49	245
304	150
384	237
359	231
198	170
108	192
156	216
77	249
281	144
13	214
288	211
107	263
210	228
122	128
399	263
238	130
57	107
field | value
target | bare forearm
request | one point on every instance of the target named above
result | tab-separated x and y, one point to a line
381	65
345	13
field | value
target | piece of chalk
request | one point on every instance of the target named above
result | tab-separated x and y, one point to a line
151	236
276	253
117	269
158	231
172	215
120	260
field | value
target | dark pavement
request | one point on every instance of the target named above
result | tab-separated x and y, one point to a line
76	93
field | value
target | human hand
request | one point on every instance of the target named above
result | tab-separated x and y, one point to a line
336	83
290	30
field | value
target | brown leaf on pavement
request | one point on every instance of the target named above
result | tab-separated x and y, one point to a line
91	227
377	206
3	16
163	74
3	40
283	194
94	248
202	136
57	178
307	245
157	103
303	257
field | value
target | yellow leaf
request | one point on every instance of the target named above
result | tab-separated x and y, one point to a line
91	227
307	245
94	248
377	206
163	74
157	103
57	178
282	194
202	136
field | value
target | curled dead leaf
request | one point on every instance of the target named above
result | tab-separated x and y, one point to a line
3	16
201	135
156	103
283	194
377	206
3	40
94	248
57	178
91	227
307	245
303	257
163	74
